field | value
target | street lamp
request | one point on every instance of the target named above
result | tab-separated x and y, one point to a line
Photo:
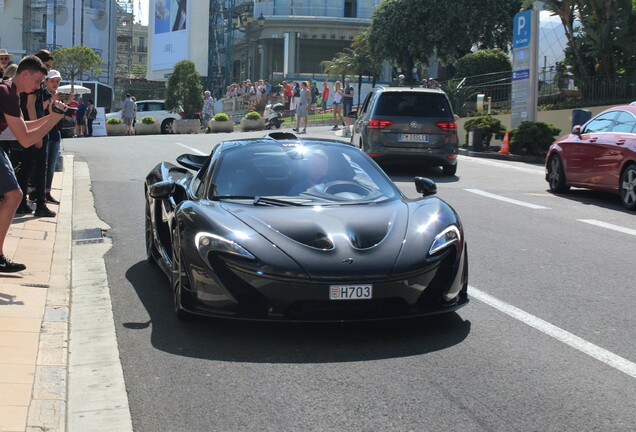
244	23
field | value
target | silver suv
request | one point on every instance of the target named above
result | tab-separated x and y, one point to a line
156	109
403	123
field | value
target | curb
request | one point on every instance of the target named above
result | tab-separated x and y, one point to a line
502	156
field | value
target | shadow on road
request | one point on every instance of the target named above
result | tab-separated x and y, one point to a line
265	342
406	172
590	197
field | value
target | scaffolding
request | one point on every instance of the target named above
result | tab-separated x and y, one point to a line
220	46
34	34
125	20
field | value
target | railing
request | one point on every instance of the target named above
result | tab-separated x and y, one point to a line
555	91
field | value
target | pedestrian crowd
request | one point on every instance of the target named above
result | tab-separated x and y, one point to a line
31	112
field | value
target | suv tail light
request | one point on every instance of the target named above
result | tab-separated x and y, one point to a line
451	125
379	124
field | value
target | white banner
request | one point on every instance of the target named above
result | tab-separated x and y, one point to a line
99	124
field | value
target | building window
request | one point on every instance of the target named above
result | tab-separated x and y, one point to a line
351	9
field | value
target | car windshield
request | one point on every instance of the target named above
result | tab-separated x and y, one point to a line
278	172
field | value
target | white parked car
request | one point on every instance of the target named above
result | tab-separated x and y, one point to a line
156	109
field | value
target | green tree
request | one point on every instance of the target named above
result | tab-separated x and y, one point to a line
483	62
139	70
408	32
185	91
76	61
357	60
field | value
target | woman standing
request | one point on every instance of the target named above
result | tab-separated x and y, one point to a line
91	115
337	105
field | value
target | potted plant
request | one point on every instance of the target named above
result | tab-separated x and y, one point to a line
148	126
252	121
114	127
185	94
221	122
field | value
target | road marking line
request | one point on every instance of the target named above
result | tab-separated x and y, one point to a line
192	149
601	354
507	165
508	200
609	226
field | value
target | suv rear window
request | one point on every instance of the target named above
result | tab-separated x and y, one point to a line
416	104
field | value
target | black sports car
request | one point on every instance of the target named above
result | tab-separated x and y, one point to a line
302	230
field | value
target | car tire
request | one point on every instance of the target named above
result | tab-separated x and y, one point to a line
627	187
449	170
556	175
167	126
179	279
149	237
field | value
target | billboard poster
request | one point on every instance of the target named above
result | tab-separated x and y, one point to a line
169	34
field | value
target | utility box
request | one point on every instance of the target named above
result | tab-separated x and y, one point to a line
475	137
580	116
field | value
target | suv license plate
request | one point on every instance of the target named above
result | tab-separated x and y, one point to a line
350	292
413	138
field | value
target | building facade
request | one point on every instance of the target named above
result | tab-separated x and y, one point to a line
233	40
29	25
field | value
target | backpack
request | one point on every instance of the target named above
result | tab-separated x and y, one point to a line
92	113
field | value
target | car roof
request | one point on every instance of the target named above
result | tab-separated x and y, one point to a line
630	108
408	89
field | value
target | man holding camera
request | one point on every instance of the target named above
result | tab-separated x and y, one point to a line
31	71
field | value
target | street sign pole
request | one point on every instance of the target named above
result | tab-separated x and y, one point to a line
525	54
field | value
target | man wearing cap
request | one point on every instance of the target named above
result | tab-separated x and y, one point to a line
28	77
347	105
128	112
5	58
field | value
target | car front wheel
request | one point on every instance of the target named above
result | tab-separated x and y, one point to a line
167	126
628	187
180	282
149	235
556	175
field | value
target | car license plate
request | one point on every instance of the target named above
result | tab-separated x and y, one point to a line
350	292
413	138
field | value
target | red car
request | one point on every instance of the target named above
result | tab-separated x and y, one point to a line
599	155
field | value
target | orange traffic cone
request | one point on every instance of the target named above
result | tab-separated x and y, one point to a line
505	148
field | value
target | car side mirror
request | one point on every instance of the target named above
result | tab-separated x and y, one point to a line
163	189
425	186
576	130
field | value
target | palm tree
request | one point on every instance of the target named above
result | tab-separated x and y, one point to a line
356	60
565	10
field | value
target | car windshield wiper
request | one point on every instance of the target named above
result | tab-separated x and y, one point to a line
259	200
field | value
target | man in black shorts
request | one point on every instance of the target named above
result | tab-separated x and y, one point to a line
28	77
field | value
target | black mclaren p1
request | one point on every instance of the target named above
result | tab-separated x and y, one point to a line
301	230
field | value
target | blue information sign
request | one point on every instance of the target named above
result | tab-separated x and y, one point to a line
521	29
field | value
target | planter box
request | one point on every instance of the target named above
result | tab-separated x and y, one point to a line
187	126
115	129
147	129
221	126
252	125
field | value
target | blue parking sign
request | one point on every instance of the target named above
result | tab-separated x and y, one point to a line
522	29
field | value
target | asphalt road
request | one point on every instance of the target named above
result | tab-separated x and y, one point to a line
546	343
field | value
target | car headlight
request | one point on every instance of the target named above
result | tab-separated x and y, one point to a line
207	242
449	236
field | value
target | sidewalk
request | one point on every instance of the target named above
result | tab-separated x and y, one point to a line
34	311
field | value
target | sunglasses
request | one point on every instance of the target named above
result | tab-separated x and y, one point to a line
5	58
